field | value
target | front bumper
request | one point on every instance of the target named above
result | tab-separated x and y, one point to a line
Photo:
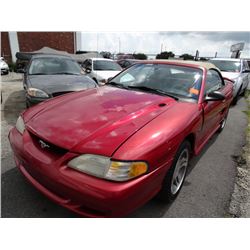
4	71
86	195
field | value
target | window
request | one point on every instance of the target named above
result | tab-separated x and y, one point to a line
227	65
185	82
213	82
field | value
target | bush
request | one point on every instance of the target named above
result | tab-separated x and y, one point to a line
12	67
203	59
187	57
140	56
165	55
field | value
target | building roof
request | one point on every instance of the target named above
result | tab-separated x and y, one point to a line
50	55
50	51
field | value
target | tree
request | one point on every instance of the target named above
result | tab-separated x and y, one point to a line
165	55
187	57
106	54
140	56
203	59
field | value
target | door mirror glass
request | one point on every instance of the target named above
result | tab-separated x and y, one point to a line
214	96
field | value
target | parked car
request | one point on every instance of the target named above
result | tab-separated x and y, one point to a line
248	62
106	151
124	63
101	69
4	67
49	76
236	70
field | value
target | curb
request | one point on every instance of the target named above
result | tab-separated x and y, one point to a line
240	200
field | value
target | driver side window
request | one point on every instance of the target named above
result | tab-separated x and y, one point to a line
213	82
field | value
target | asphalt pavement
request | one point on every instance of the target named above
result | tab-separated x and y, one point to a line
206	192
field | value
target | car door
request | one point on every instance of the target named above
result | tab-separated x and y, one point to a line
245	75
213	111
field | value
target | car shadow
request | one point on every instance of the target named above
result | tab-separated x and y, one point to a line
156	208
21	200
13	106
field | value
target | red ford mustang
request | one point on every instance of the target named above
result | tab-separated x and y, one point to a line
107	151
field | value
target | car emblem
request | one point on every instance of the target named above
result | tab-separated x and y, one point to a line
43	144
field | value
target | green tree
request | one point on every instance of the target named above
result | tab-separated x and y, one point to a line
203	59
187	57
165	55
140	56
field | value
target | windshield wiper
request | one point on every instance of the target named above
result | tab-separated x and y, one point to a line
157	91
37	74
65	73
119	85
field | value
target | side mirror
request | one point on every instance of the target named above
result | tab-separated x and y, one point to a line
215	96
246	71
109	79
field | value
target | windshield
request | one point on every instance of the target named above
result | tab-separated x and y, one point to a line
106	65
228	66
178	81
54	66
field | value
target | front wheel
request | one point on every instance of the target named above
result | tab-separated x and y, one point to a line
175	177
222	123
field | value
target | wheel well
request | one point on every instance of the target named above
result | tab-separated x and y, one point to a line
191	139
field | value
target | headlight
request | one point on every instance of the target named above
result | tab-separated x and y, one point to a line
103	167
37	93
20	125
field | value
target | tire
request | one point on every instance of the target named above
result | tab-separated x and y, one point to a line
223	123
244	91
236	98
175	176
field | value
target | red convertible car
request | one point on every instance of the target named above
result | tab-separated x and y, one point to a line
107	151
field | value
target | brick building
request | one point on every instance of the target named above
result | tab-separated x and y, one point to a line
12	42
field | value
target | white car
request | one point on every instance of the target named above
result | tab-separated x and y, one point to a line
237	70
101	69
4	67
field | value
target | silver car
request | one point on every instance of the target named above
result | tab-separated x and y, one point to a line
237	70
4	67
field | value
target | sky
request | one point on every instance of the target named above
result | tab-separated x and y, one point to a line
179	42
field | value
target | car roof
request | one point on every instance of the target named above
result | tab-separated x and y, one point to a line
101	59
226	59
51	56
188	63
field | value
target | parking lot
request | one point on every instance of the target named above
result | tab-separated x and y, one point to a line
207	189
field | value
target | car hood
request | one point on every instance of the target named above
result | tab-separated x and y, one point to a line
60	83
101	74
230	75
95	121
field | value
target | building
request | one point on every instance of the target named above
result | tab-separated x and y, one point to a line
12	42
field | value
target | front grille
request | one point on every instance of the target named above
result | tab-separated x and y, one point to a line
47	146
61	93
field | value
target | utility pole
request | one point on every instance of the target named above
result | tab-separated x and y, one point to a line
97	42
119	45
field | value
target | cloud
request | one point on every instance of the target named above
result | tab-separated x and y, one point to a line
208	43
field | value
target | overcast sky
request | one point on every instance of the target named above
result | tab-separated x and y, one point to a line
179	42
